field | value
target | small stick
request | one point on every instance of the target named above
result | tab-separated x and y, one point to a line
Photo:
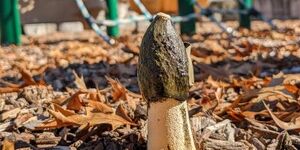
209	130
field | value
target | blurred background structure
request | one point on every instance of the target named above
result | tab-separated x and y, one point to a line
46	16
279	9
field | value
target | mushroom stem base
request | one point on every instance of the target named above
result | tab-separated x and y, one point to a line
168	126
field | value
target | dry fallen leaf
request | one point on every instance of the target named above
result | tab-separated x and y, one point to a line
9	89
79	81
121	111
26	76
101	107
10	114
216	73
291	88
91	118
75	102
8	144
118	90
51	124
96	96
112	119
65	112
8	84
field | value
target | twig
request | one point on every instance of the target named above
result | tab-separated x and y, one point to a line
209	130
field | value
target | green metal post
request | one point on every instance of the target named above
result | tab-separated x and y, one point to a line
10	25
112	14
187	7
245	19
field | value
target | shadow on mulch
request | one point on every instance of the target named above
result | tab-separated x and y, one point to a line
94	76
260	68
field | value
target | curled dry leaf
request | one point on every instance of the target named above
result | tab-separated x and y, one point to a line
26	76
121	111
118	90
75	102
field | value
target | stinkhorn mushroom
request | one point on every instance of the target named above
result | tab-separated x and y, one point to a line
163	76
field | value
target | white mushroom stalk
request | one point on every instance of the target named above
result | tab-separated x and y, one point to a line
163	75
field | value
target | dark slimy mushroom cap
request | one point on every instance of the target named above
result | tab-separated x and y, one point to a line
163	63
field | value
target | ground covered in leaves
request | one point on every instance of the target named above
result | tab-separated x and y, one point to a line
73	91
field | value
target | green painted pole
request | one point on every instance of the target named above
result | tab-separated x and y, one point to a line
187	7
245	19
10	25
112	14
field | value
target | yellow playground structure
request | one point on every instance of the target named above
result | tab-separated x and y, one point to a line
166	6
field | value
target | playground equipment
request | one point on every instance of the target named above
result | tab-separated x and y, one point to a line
187	16
245	19
187	7
11	31
10	26
112	13
166	6
54	11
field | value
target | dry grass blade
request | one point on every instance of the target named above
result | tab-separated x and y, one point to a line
281	124
9	89
8	84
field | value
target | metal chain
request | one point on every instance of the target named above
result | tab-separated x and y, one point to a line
92	22
147	16
143	8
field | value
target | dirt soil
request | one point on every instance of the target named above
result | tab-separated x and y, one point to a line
73	91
